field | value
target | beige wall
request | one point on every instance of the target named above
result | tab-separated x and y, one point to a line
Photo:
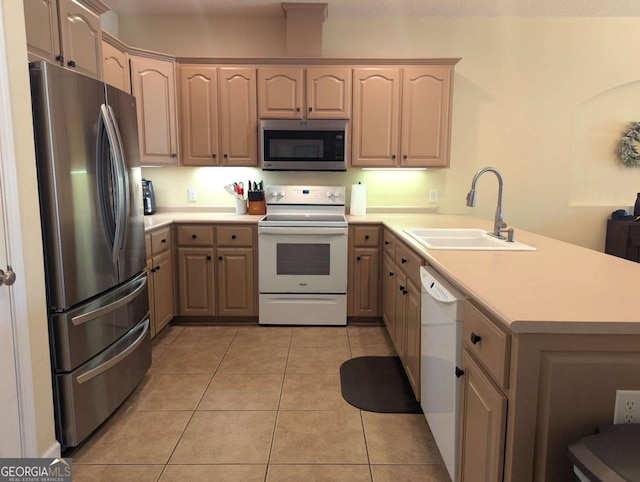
33	263
545	100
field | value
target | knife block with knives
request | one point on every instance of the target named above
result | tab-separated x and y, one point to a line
255	197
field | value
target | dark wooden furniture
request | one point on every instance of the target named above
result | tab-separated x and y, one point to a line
623	239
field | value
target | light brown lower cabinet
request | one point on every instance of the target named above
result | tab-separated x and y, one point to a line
196	281
235	282
162	290
483	417
364	294
401	304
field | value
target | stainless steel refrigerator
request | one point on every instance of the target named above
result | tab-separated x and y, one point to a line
90	188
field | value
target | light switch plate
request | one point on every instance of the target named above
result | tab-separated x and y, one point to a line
192	195
433	195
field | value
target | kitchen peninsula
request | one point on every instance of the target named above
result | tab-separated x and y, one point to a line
557	327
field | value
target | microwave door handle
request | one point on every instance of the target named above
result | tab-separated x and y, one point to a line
117	185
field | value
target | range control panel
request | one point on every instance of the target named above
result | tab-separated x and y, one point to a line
306	195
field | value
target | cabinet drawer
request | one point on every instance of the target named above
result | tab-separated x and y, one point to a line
160	241
409	262
194	235
234	236
366	236
489	344
389	243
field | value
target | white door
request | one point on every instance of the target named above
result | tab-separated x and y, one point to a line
10	444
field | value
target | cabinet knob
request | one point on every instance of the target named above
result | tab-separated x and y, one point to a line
225	155
404	292
213	155
71	63
386	243
404	157
310	109
163	241
60	58
174	155
401	288
194	236
366	236
390	273
297	109
233	236
208	258
157	268
475	339
219	258
459	372
358	258
393	156
403	261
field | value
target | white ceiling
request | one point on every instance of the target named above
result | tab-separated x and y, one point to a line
370	8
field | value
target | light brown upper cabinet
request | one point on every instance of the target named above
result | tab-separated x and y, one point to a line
402	117
304	93
238	116
198	87
66	32
376	110
153	85
115	66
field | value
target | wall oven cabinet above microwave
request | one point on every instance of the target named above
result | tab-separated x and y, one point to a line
304	145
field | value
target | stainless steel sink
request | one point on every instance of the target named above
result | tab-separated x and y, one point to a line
464	239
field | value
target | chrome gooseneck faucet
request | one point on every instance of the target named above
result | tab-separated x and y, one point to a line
499	224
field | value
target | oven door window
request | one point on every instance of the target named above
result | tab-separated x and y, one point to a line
303	259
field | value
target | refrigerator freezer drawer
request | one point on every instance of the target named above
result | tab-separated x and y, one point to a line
83	332
89	394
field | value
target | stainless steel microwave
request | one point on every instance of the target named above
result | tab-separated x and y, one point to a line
303	145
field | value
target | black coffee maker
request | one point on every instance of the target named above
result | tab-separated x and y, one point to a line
149	197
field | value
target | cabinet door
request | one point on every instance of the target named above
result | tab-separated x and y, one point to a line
238	116
483	413
80	37
199	115
235	282
115	67
411	358
328	93
41	23
426	105
376	110
400	313
365	282
163	290
389	275
280	93
152	300
195	281
153	85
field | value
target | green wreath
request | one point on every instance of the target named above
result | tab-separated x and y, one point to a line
627	150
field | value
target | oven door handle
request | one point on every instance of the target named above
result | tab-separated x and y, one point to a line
318	231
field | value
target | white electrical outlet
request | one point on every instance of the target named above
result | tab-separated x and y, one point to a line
193	195
627	408
433	195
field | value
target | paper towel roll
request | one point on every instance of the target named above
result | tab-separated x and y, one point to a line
358	200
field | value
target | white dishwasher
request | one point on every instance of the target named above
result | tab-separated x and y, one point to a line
441	353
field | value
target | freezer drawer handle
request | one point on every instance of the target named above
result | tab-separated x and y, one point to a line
92	315
94	372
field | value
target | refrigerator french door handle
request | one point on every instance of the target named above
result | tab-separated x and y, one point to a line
119	181
92	315
94	372
124	176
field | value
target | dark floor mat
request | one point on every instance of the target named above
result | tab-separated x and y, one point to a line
378	384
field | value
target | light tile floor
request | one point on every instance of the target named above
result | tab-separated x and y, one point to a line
257	404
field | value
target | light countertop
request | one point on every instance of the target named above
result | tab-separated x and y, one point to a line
560	288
